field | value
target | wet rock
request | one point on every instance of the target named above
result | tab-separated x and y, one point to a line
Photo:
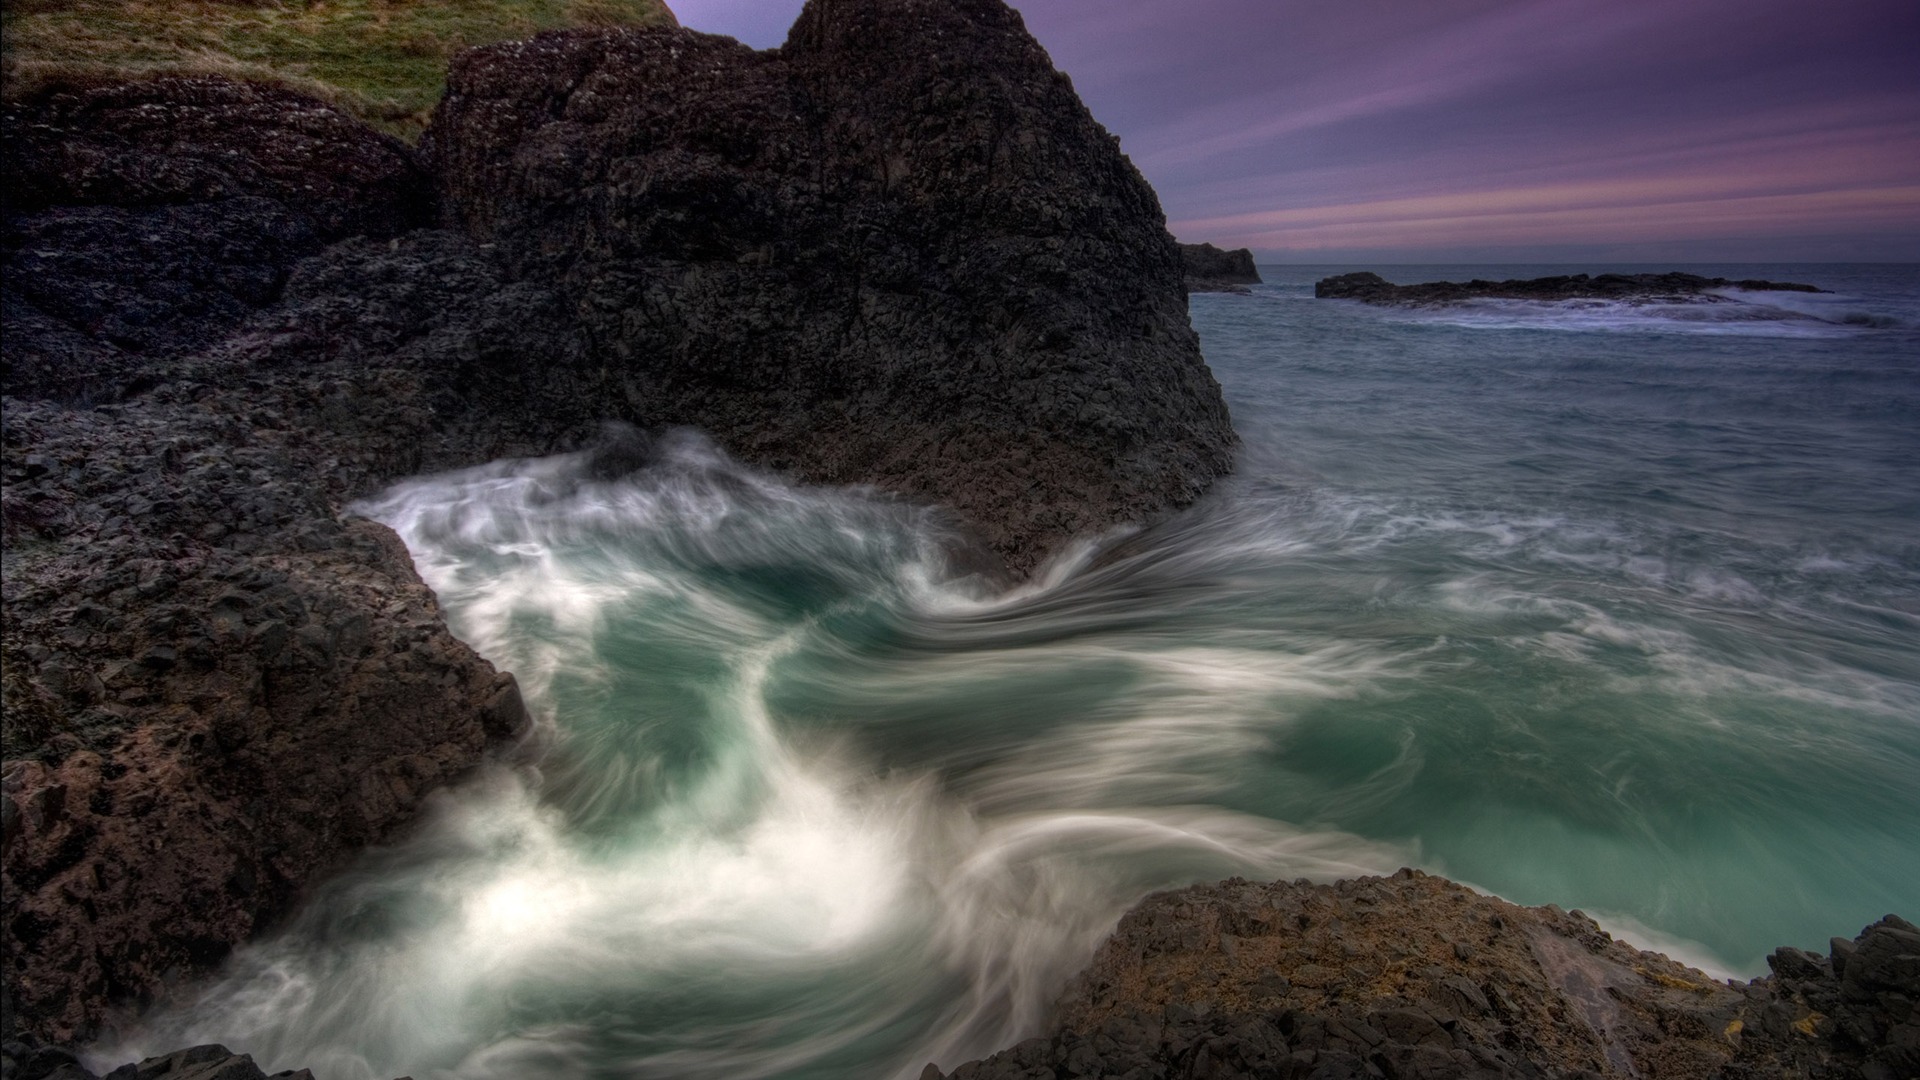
1549	995
896	251
136	840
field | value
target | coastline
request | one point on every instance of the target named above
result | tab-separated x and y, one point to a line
209	461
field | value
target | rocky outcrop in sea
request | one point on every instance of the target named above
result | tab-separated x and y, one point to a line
1675	287
896	252
1414	976
1212	269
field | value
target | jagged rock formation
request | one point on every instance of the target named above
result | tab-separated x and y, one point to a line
147	220
896	252
1416	977
189	624
1371	288
1212	269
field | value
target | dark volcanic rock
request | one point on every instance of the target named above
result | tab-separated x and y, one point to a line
895	251
1415	976
147	220
32	1060
1371	288
168	142
216	688
230	688
1211	269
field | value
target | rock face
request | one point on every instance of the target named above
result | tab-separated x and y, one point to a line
1415	976
1212	269
216	688
896	251
32	1060
147	220
1676	287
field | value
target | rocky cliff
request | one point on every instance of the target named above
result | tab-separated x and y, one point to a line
896	251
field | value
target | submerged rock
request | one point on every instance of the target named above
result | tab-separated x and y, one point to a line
1415	976
1212	269
1371	288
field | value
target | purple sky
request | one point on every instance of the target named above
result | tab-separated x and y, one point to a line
1498	130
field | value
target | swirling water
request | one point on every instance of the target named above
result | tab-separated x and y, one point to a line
1606	606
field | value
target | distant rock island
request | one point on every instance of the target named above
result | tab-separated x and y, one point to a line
1212	269
1371	288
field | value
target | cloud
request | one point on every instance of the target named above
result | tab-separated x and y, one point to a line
1603	213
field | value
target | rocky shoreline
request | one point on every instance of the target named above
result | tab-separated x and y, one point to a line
1410	977
1414	976
230	310
1371	288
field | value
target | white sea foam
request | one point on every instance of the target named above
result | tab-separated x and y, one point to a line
1731	314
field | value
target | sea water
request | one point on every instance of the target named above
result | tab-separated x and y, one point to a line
1610	606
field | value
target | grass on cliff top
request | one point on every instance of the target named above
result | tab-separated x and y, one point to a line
383	60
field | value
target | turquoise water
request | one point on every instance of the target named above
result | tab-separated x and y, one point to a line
1611	607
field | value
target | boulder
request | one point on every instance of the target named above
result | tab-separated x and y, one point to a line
147	220
895	251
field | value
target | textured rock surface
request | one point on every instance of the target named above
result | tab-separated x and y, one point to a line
1371	288
1212	269
33	1060
215	687
895	251
145	221
1415	976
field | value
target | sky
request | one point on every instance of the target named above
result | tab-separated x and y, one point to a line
1497	130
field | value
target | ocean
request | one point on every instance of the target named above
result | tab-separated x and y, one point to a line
1612	607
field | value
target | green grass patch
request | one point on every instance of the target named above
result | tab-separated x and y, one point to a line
384	60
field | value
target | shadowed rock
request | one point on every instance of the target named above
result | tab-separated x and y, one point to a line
1371	288
147	220
896	251
1211	269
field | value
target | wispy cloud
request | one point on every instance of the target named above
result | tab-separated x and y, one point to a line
1285	123
1617	212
